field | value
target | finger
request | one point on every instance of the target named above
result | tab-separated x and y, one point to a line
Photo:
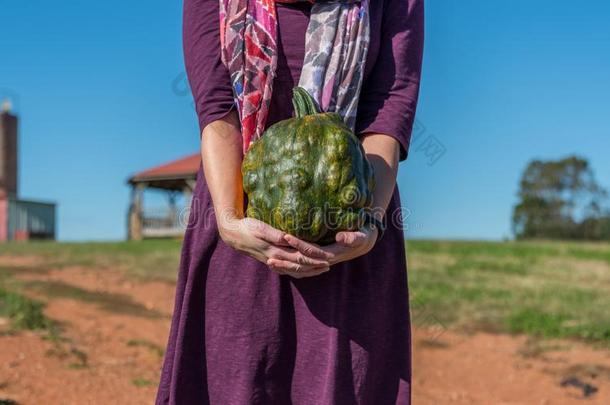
308	274
267	233
278	270
286	265
350	239
295	270
276	266
308	249
295	256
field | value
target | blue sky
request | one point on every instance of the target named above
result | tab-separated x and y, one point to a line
100	93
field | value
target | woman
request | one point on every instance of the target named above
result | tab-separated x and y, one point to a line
261	317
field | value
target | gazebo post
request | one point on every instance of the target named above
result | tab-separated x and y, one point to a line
187	191
135	211
173	214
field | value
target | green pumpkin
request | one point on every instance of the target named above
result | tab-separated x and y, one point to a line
308	175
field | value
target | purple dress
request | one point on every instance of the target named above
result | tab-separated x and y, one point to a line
241	334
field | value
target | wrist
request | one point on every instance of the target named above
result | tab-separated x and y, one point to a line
228	221
372	231
375	225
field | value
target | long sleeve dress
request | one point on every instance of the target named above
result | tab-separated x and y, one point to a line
241	334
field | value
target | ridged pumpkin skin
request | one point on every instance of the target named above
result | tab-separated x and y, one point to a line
308	175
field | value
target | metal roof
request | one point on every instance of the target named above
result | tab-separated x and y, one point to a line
183	168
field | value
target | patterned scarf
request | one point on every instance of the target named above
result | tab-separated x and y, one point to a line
336	45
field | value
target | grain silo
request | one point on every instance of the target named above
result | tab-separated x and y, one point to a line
19	219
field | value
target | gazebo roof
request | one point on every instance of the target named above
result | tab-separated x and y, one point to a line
169	175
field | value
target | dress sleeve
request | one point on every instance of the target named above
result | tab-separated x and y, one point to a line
208	77
389	94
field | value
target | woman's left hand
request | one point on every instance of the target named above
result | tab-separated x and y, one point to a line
348	245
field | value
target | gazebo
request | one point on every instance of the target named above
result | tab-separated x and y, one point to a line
174	178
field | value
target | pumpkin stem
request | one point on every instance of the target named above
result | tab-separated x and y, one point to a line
304	104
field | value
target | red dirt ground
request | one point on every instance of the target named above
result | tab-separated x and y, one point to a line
112	357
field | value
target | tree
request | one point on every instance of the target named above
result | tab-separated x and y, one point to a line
561	200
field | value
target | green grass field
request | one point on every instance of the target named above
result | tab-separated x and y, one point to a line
549	289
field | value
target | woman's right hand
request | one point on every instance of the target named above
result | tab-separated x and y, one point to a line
221	154
263	242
